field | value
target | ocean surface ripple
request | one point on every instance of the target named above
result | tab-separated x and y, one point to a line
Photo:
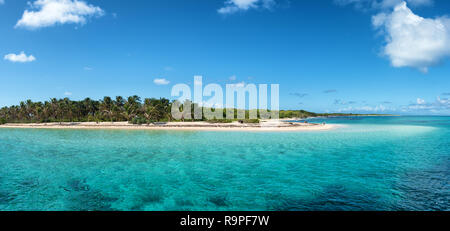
371	163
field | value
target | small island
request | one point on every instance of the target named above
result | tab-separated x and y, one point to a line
151	113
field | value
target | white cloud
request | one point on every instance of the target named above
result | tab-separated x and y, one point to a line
443	101
420	101
88	68
440	105
20	58
67	93
411	40
233	6
45	13
161	81
233	78
419	106
367	109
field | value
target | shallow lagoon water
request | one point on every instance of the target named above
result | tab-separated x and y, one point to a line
368	163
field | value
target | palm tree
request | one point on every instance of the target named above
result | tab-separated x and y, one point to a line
64	109
46	111
119	104
107	107
37	111
88	106
54	108
14	113
23	111
29	108
165	107
132	107
148	110
153	110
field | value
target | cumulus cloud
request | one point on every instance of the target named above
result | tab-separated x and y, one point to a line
411	40
20	58
439	105
67	93
420	101
161	81
234	6
366	109
46	13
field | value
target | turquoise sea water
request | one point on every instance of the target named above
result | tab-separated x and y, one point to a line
369	163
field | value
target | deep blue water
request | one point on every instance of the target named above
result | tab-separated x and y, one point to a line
368	163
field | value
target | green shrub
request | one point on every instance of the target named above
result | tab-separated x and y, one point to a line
138	120
251	121
217	121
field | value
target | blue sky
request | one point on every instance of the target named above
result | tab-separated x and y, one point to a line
327	56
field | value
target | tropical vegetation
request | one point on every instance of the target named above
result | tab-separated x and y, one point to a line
132	109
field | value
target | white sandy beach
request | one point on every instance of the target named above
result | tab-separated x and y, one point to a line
268	125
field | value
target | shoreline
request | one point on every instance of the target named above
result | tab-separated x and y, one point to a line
269	125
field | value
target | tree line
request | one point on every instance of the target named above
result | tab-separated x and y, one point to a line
88	110
132	109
